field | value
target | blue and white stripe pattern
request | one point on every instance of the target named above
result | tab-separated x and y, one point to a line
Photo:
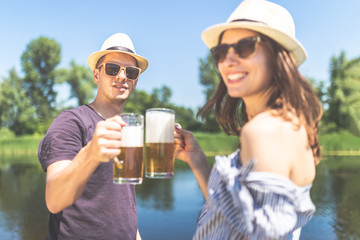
243	204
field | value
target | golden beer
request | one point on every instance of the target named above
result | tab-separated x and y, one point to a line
159	143
129	167
159	160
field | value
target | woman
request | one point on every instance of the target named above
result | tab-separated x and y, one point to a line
262	191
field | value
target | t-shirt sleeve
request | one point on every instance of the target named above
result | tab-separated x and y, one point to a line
62	141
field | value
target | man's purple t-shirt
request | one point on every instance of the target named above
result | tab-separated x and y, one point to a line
105	210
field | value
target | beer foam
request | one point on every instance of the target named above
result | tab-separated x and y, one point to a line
159	127
132	136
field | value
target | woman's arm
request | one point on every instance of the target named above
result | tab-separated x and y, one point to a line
189	151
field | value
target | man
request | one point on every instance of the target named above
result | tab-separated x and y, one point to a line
76	153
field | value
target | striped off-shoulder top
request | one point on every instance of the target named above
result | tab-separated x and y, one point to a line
244	204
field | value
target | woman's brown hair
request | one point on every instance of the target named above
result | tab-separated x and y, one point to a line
291	94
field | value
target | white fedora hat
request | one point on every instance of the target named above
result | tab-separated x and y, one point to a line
264	17
119	42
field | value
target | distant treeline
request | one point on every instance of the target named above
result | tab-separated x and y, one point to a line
28	100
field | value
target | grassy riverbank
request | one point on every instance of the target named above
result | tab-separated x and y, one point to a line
213	144
342	143
24	145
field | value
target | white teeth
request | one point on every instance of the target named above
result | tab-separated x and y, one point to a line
236	76
120	87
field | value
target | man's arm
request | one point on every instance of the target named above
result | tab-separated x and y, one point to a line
66	179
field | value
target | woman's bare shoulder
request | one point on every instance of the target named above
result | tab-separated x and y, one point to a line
276	143
274	126
264	124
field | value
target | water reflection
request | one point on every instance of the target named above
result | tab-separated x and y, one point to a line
22	205
162	220
156	193
168	209
159	193
335	193
346	194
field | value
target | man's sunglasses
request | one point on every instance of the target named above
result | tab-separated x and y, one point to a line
113	70
244	48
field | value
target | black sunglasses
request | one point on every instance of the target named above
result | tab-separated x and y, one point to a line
113	70
244	48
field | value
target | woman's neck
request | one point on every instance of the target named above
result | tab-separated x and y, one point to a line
256	104
253	111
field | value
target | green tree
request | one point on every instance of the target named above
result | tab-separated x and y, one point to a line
208	76
344	98
161	96
320	90
185	116
39	61
209	79
16	110
139	101
81	82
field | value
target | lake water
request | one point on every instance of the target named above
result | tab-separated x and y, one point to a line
168	209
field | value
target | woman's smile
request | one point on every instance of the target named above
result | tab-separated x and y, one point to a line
236	77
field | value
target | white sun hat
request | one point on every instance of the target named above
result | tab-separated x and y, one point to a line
119	42
264	17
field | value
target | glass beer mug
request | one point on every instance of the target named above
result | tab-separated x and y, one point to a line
159	143
128	166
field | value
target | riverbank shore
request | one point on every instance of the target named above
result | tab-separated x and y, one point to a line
333	144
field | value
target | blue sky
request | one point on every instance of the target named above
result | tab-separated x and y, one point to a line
168	34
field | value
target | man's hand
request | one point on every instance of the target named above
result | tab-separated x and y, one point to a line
106	141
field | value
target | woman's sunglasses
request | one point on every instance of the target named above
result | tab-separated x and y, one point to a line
113	70
244	48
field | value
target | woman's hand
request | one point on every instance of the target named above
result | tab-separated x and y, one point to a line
186	146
